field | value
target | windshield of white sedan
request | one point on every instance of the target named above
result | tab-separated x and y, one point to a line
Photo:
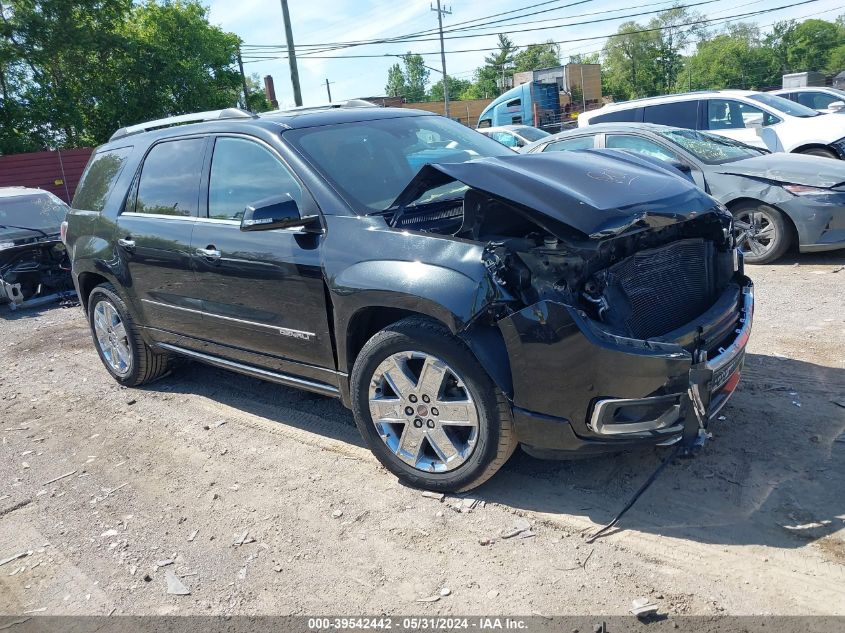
709	148
371	162
784	105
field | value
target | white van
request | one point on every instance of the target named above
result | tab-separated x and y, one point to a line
756	118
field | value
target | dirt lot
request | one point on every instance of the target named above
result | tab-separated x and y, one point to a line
264	501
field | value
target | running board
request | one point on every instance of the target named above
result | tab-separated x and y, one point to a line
255	372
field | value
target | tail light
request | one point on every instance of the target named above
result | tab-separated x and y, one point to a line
63	233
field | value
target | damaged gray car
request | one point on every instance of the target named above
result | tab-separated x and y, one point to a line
34	268
778	200
461	299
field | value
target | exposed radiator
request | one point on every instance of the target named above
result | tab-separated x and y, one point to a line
659	290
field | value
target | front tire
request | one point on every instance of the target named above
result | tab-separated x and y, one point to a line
428	411
763	233
125	355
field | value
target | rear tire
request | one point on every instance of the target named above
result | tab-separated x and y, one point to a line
763	232
821	152
428	411
125	355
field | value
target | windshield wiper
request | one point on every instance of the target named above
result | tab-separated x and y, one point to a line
23	228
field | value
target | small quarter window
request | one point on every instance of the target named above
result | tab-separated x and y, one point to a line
99	178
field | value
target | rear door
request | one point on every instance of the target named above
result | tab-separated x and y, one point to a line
263	291
154	236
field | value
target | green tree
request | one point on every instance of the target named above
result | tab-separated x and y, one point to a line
408	80
734	59
537	56
836	61
73	71
257	99
416	76
630	63
813	41
581	58
673	34
457	88
396	86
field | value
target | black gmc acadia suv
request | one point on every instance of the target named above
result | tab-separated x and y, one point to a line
460	298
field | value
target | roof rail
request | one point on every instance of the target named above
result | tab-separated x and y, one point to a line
349	103
210	115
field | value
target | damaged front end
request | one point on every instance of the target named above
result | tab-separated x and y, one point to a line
621	299
34	273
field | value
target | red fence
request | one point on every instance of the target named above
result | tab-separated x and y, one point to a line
57	172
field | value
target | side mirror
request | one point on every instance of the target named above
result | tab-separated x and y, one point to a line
681	167
276	212
837	106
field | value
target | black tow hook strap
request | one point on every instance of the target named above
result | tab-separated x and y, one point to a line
604	531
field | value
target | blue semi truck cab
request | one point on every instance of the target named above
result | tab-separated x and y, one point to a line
534	103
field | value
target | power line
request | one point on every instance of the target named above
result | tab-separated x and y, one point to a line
581	39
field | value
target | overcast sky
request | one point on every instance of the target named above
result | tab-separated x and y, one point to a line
324	21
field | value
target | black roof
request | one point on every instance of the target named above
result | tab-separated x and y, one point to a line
273	122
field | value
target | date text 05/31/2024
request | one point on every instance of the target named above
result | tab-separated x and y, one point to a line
417	623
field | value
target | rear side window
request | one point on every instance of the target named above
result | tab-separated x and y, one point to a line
678	114
99	178
582	142
170	178
726	114
628	115
816	100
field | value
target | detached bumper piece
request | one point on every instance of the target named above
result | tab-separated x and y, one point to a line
624	392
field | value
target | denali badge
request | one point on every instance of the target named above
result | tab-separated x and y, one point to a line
305	336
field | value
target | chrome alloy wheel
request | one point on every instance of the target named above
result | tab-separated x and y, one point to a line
423	411
756	232
111	338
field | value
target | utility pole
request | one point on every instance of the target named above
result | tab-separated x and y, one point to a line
243	79
329	90
294	73
440	13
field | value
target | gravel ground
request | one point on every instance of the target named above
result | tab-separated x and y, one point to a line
262	500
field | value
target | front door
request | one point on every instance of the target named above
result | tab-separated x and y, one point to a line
154	237
738	120
263	292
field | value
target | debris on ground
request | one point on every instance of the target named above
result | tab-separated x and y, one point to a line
55	479
164	563
643	608
243	539
15	557
438	496
429	599
519	526
193	535
174	585
445	591
337	514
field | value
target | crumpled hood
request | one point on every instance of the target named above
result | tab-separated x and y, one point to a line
797	169
599	193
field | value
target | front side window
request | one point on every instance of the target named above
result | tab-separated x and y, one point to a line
531	134
242	173
640	145
371	162
170	178
817	100
99	178
783	105
726	114
582	142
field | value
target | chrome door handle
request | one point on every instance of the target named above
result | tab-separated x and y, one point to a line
126	243
209	253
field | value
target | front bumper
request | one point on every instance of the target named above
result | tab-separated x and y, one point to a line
819	220
580	390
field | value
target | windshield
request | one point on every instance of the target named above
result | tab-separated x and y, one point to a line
371	162
531	133
41	211
784	105
710	148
